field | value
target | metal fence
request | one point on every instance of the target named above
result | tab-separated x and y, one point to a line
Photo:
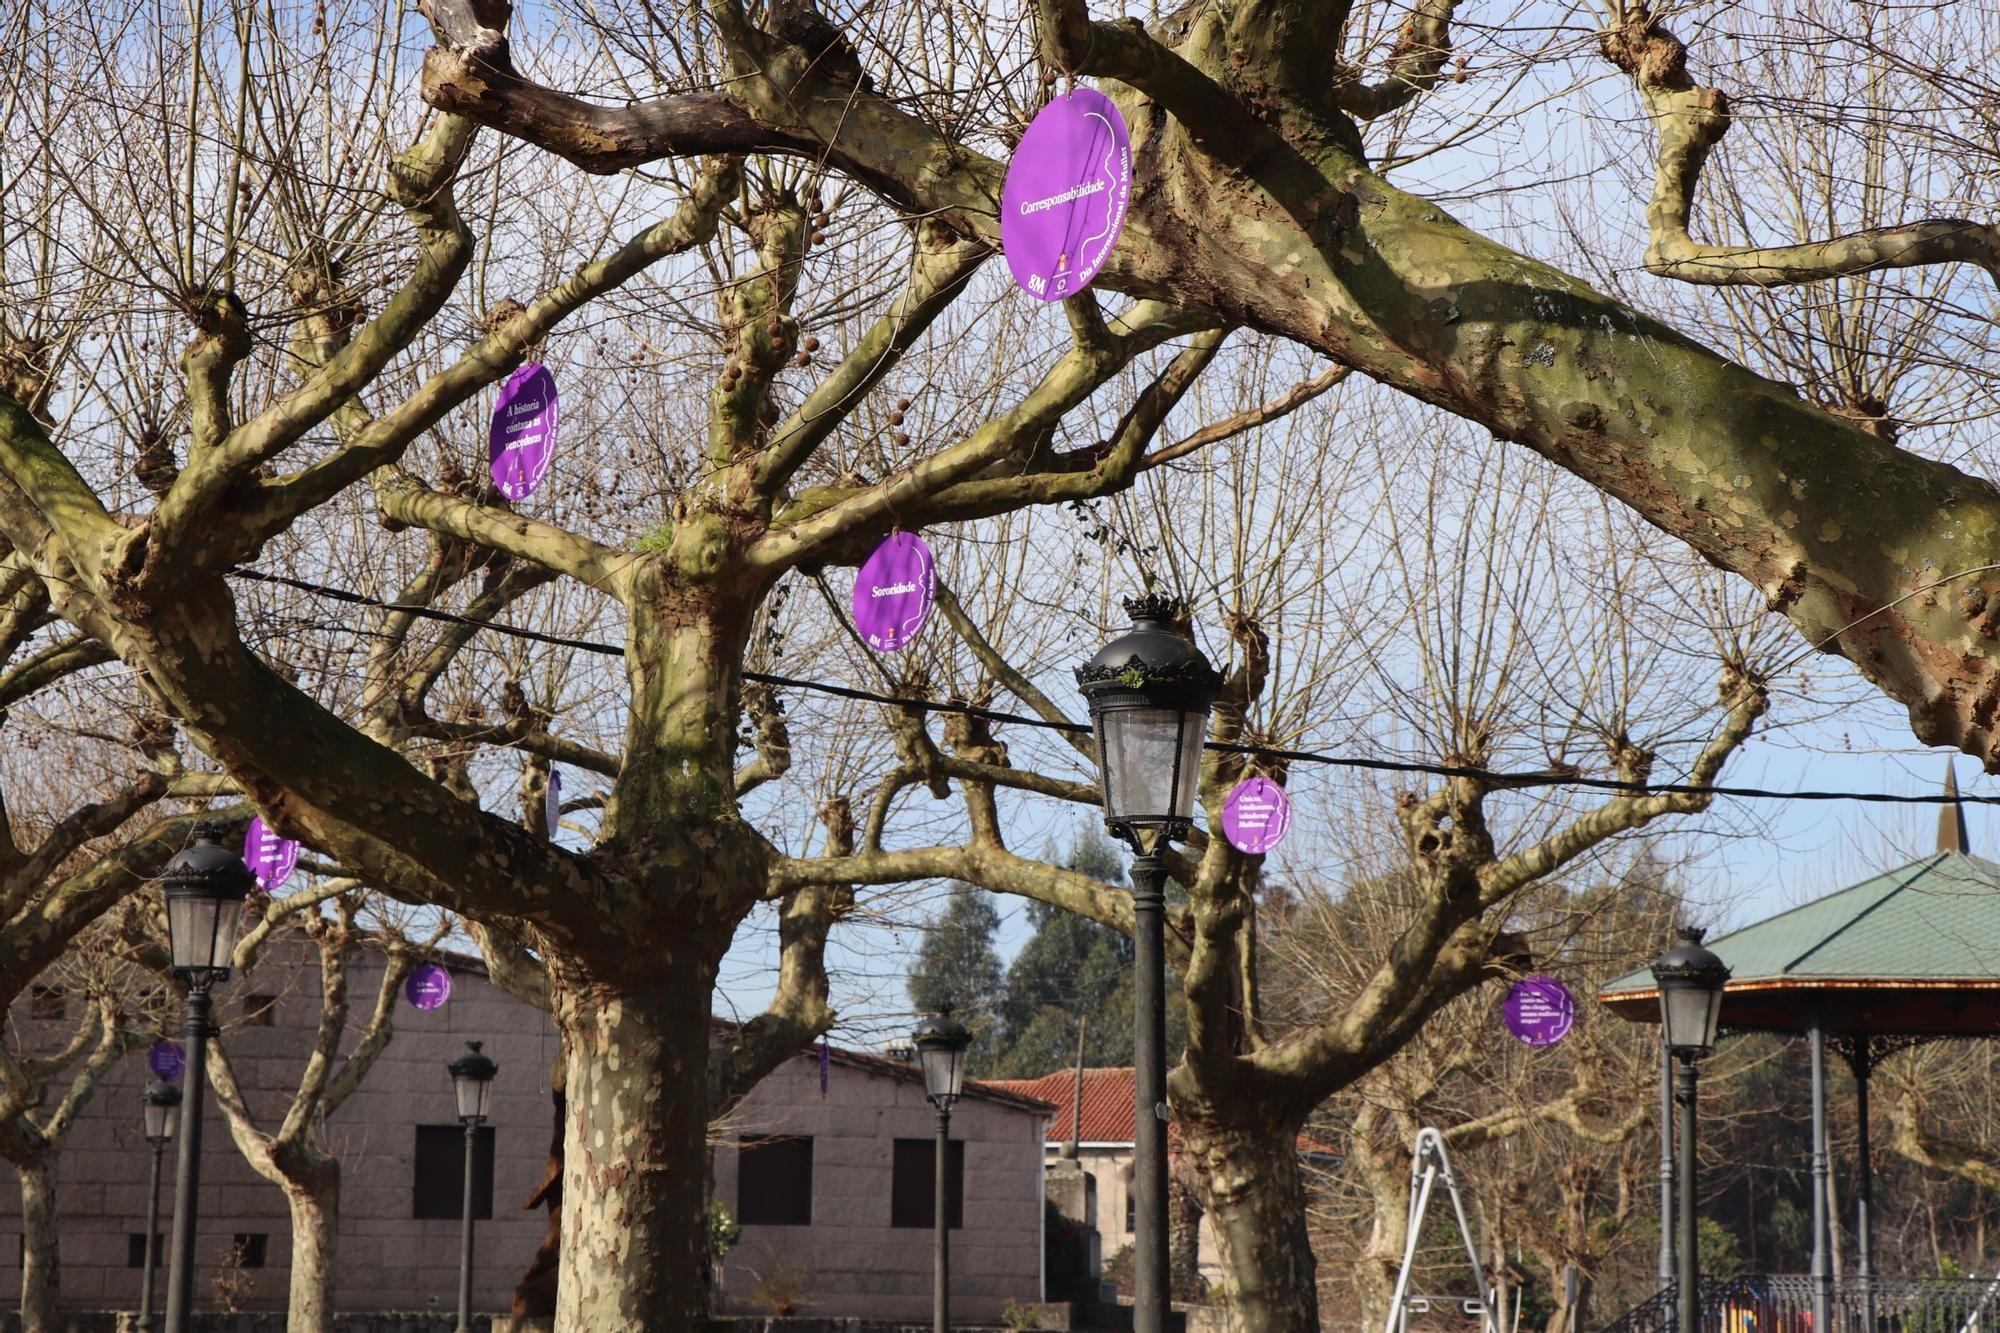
1773	1303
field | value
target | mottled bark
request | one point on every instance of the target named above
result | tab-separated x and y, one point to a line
315	1212
1256	1206
41	1245
635	1150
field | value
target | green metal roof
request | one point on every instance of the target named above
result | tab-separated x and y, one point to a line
1934	919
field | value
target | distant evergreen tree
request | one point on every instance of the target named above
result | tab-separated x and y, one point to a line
957	967
1068	969
1024	1017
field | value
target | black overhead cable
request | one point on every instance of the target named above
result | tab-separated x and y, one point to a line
1025	720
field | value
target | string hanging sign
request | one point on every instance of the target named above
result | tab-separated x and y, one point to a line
428	987
893	592
270	857
166	1061
523	439
1256	815
1539	1010
1067	190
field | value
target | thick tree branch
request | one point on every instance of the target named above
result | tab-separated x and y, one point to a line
1747	700
1415	64
51	664
1690	120
410	501
813	526
420	182
939	271
990	868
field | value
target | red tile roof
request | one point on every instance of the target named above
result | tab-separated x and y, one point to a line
1108	1107
1107	1102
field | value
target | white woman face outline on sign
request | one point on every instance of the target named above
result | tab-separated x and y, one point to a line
893	592
521	444
1067	189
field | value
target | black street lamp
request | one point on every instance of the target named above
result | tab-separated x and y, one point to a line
205	886
941	1043
1150	691
163	1104
1690	978
471	1080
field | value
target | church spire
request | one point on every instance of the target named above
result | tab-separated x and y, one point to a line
1951	816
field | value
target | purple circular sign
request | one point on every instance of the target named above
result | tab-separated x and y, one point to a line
552	802
1540	1010
1256	815
166	1061
268	855
893	591
523	438
1067	188
428	988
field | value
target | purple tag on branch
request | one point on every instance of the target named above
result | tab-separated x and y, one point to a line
166	1061
1540	1010
1067	189
428	988
1256	815
268	855
523	439
552	802
893	591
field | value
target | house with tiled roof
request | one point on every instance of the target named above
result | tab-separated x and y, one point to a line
1103	1136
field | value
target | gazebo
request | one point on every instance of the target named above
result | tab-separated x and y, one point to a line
1907	956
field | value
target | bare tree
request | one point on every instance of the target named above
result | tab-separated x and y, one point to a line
108	1005
294	1154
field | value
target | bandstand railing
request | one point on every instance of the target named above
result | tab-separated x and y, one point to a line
1783	1303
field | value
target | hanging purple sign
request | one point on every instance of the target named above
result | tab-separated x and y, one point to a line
893	591
1256	815
166	1061
552	802
428	988
1540	1010
269	855
523	439
1067	188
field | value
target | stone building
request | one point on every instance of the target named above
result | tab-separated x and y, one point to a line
835	1203
829	1169
399	1143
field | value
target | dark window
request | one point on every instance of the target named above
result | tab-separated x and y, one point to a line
1131	1204
913	1189
774	1181
440	1177
251	1248
258	1009
135	1249
46	1001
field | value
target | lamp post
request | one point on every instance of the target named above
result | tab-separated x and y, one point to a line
1690	978
941	1043
162	1108
205	887
1150	691
471	1078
